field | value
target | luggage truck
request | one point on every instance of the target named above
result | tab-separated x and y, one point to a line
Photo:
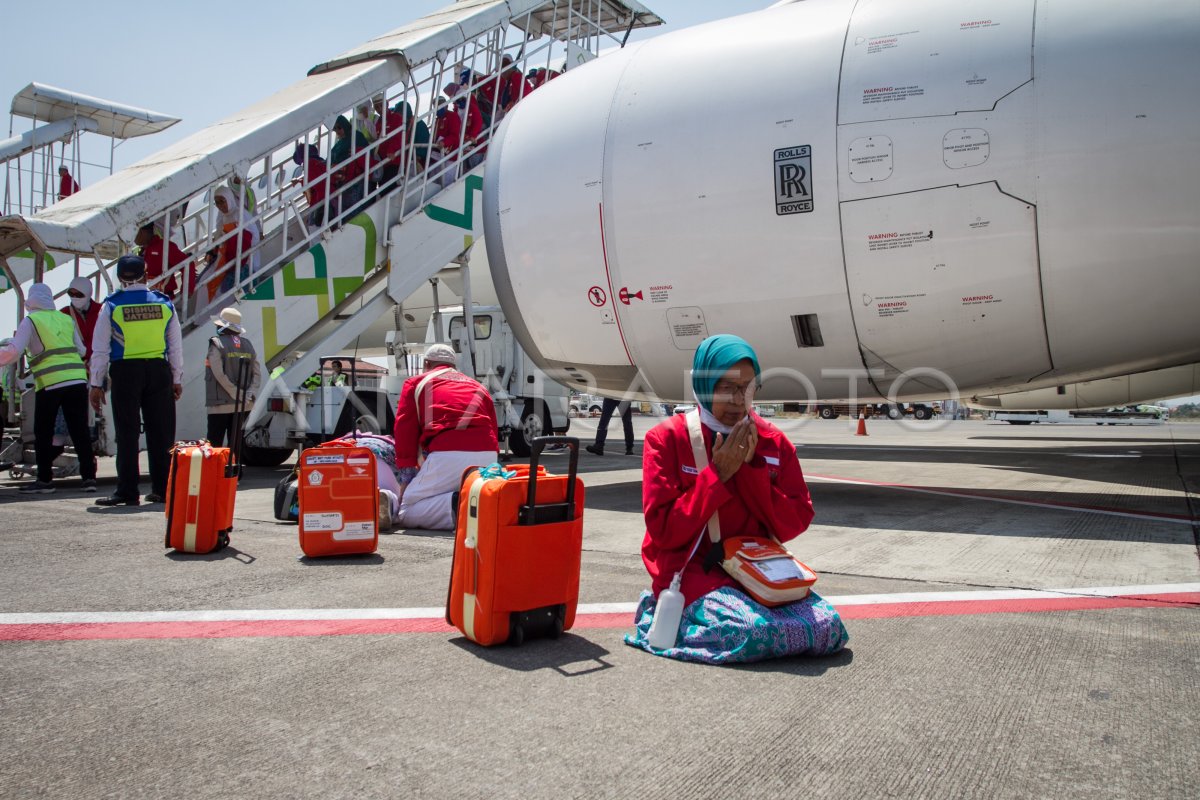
917	410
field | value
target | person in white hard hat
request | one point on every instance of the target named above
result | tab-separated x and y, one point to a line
445	423
231	363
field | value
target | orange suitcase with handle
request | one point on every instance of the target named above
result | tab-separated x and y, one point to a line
339	503
201	489
517	547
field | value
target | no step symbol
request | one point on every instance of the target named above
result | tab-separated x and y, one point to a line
596	296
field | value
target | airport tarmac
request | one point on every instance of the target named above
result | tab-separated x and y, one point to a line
1023	606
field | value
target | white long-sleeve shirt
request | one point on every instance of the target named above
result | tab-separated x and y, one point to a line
26	338
102	345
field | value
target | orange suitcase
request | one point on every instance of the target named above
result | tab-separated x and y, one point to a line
338	501
201	490
517	547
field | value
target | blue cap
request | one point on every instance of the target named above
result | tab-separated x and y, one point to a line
131	268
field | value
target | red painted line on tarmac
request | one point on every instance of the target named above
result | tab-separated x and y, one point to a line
60	632
232	629
1152	515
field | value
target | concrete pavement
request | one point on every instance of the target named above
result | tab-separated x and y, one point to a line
1064	703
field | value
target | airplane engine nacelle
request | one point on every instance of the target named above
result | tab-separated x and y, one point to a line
881	197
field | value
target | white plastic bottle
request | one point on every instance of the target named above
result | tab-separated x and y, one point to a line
667	615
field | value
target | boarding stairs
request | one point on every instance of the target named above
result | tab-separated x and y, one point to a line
57	122
318	285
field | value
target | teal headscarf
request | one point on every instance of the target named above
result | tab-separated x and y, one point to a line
714	357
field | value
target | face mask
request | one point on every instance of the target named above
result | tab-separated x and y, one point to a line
81	302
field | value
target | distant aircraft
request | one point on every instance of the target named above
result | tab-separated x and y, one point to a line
882	197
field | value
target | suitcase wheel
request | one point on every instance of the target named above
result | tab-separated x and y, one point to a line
516	636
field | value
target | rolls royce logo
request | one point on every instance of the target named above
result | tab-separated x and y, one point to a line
793	180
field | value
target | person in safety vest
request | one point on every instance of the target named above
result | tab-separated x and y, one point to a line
230	355
139	347
55	351
338	378
447	419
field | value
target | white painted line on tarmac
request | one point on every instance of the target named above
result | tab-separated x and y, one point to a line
317	614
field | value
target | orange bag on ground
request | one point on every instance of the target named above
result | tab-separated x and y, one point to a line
338	495
201	490
517	547
766	570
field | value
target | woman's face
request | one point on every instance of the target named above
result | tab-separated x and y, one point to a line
734	393
221	205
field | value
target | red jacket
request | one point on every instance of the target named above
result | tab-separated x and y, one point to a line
153	254
514	86
86	323
449	131
767	495
315	193
392	147
455	413
474	118
67	186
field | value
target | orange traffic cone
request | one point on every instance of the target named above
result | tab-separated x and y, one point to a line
862	424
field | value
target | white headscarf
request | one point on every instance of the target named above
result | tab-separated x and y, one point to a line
237	215
234	206
84	287
40	298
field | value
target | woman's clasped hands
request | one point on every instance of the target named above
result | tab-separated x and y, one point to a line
730	452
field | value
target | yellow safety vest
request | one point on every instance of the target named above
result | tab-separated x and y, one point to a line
140	320
59	361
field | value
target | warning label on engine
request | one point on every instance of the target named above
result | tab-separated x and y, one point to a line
878	44
895	240
892	305
979	299
888	94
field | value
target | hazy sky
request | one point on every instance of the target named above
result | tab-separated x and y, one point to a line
204	61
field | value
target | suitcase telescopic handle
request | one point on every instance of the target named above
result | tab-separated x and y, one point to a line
532	514
241	392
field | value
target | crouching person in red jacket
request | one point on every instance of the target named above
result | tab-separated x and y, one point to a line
445	423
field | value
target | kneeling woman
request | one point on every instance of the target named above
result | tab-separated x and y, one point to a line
754	486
